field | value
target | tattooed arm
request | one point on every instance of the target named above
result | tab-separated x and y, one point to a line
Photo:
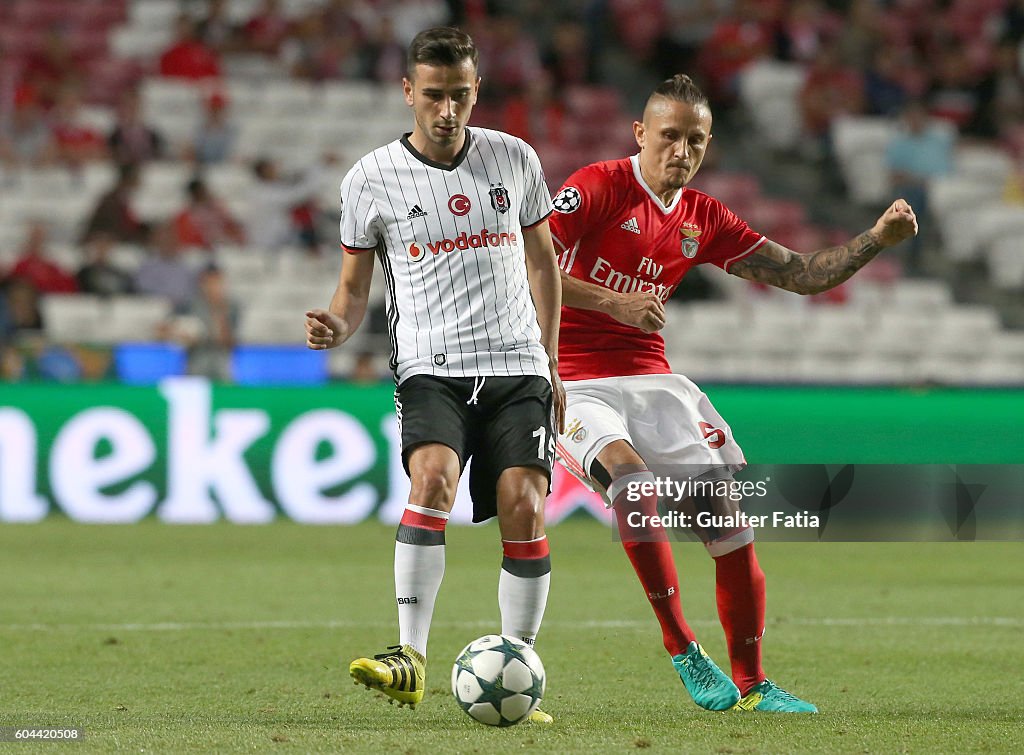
819	271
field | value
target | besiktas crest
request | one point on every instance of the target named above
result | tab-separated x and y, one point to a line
499	198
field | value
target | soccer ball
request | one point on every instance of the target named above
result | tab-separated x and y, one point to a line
498	680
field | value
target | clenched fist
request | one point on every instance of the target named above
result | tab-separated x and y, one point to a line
898	223
324	330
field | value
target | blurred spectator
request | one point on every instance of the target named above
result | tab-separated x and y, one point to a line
953	92
348	18
920	152
567	57
19	301
25	137
76	140
384	53
313	54
51	69
215	29
12	361
164	273
216	318
34	266
803	30
188	57
215	138
1013	21
884	88
132	141
1000	95
58	364
99	275
113	214
267	29
508	56
205	222
829	91
536	114
862	34
639	24
365	370
738	40
271	203
690	24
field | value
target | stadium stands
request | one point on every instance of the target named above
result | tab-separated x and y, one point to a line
903	331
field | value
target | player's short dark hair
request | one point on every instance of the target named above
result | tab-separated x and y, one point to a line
441	46
682	89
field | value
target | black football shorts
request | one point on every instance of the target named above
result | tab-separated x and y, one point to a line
498	422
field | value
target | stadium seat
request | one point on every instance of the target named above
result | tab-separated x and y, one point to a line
977	229
952	200
135	318
349	98
148	363
860	144
278	365
921	296
769	91
154	14
141	42
983	163
963	333
1005	257
72	318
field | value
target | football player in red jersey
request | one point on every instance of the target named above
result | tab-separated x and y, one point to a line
627	232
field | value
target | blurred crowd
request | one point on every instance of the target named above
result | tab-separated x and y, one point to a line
957	60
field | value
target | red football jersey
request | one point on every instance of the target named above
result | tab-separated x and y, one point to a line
611	230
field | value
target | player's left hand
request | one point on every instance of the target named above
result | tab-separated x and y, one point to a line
898	223
558	398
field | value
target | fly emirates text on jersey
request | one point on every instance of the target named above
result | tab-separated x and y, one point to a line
607	276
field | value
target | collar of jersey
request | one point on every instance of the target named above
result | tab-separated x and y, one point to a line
635	161
433	163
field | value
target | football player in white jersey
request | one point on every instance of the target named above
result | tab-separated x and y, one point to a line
457	218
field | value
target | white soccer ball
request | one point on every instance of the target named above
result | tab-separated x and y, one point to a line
498	680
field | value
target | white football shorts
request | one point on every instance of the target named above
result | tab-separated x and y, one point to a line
667	419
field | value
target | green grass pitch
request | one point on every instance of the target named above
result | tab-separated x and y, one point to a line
226	638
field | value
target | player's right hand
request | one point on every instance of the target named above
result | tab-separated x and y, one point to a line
324	330
641	310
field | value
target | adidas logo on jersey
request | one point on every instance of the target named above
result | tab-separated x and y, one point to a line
416	212
631	225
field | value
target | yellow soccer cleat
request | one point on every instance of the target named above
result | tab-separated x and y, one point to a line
399	673
540	717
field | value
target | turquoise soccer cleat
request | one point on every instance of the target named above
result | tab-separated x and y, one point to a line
707	684
768	697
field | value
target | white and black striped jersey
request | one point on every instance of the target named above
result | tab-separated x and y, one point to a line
450	241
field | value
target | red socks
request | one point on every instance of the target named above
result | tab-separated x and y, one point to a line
740	593
651	555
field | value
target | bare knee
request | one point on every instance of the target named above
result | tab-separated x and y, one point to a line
521	505
432	488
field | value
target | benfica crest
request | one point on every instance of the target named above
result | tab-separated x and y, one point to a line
690	245
499	198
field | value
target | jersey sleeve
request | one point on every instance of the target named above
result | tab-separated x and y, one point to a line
536	204
732	239
360	223
580	206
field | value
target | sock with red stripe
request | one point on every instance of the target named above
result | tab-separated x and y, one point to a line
419	567
650	554
523	587
740	593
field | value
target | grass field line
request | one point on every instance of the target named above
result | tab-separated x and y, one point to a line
219	626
